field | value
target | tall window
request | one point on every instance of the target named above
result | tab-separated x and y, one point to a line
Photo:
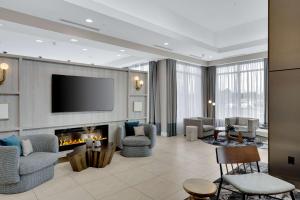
140	67
240	90
189	93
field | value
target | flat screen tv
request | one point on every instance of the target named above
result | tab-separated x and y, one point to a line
79	94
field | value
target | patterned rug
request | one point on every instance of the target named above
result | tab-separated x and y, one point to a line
260	142
228	195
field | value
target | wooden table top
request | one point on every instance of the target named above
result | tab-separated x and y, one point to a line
200	187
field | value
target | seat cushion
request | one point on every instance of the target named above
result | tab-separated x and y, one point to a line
242	121
208	128
258	183
36	161
136	141
241	128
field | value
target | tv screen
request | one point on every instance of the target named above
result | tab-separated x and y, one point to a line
78	94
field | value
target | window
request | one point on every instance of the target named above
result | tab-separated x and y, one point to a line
240	90
140	67
189	93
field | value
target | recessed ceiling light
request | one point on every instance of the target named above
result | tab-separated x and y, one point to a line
84	49
122	50
118	55
73	40
166	43
39	41
89	20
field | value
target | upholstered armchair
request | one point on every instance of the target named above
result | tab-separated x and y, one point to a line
247	126
19	173
205	125
137	146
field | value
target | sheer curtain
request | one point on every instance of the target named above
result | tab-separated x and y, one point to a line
189	93
240	90
140	67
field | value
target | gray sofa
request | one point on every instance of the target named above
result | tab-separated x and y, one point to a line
205	125
18	173
247	126
137	146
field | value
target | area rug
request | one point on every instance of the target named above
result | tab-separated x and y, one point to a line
260	142
228	195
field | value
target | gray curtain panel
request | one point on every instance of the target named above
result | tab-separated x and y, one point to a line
171	98
205	91
154	96
266	69
211	90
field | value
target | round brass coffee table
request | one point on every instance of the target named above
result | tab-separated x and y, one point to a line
199	188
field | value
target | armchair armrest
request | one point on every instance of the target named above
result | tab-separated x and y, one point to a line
150	131
43	142
253	124
9	165
120	135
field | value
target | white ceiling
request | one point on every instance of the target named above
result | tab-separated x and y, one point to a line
201	29
21	40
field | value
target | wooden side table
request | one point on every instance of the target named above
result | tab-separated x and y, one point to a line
199	188
82	157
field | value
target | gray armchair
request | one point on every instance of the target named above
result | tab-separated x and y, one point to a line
18	173
137	146
205	125
247	126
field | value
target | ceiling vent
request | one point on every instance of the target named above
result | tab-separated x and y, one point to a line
80	25
161	47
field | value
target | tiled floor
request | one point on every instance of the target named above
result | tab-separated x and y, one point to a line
157	177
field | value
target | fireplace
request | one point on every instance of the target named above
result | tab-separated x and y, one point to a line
73	137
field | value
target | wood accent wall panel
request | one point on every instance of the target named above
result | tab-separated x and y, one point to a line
137	95
284	87
36	95
284	29
284	117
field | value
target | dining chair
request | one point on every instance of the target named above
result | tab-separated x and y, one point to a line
245	175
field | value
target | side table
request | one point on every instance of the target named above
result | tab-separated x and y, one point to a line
199	188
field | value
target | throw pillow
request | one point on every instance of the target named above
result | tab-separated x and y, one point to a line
12	141
129	127
27	147
139	131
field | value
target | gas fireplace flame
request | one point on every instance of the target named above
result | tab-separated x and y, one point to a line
64	141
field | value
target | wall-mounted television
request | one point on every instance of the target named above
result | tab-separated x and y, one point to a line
80	94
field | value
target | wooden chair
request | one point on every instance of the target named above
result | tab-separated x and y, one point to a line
249	182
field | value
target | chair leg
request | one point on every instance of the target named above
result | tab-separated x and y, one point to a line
219	189
292	195
244	196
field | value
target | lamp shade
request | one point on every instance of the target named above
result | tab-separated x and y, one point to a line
4	66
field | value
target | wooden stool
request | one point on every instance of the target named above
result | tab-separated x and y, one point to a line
199	188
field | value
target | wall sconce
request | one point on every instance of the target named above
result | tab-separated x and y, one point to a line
138	83
3	67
